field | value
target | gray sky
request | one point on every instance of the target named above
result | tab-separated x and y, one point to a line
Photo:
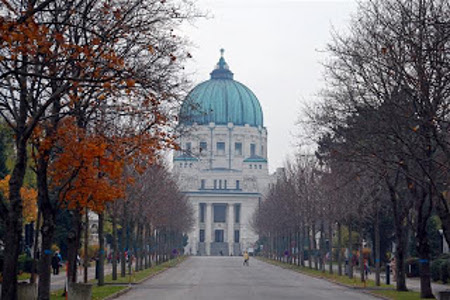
273	47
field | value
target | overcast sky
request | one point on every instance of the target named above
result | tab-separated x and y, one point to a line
274	48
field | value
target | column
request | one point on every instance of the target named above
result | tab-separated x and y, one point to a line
230	223
208	228
194	236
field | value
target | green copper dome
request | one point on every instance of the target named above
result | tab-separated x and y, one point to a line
221	100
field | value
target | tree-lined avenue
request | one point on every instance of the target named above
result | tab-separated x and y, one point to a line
226	278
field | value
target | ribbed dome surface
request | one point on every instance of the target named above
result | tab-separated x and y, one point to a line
221	100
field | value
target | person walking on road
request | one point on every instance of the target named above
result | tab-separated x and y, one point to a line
246	259
55	264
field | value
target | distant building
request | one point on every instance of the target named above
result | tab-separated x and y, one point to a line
222	167
93	228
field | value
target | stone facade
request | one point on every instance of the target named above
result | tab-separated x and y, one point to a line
230	182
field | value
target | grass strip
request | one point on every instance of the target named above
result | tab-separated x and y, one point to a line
398	295
23	276
137	277
102	292
98	292
385	290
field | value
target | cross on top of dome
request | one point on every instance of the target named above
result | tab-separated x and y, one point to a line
222	70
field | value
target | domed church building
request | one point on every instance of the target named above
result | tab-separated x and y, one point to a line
222	166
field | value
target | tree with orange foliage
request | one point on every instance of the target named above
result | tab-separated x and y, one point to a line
60	58
86	174
29	198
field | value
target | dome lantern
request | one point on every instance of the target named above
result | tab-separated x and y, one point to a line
222	70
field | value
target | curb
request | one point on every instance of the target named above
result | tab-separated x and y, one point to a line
362	290
160	271
376	295
150	276
118	294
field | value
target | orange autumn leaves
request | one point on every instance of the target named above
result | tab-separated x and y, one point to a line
37	41
29	199
87	169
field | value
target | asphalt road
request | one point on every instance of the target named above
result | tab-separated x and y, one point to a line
225	278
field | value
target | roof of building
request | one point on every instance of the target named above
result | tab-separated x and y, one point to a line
185	157
223	193
221	100
255	158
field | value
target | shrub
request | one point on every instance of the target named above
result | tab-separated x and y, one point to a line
436	269
444	256
413	267
366	253
444	271
25	263
92	251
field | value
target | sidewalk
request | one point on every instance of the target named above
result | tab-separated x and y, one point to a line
58	281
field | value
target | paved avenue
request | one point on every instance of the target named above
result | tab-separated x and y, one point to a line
225	278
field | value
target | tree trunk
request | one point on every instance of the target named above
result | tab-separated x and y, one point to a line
272	246
322	247
330	247
36	247
101	256
139	247
124	241
377	248
114	243
143	263
400	257
400	260
146	243
73	244
13	230
157	246
277	246
339	248
86	246
136	242
49	209
302	248
314	244
13	224
350	250
288	247
47	230
443	211
131	254
425	276
150	245
310	254
298	243
361	256
399	220
423	249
